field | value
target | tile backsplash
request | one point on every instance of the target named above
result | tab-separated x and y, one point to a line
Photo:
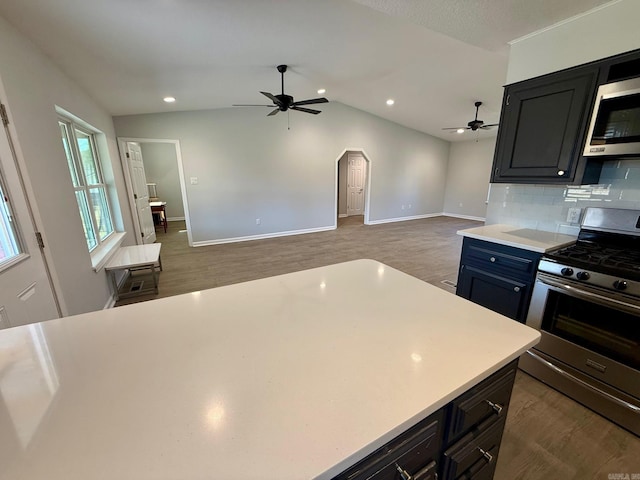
547	207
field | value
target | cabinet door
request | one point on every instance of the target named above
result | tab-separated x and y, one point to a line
542	127
500	294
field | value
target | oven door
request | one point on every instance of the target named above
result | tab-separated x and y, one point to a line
585	328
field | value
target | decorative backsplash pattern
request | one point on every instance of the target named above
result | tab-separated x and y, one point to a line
547	207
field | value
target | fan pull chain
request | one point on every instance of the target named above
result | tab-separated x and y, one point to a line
288	123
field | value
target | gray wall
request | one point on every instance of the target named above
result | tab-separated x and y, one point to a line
604	32
161	168
250	166
34	86
468	176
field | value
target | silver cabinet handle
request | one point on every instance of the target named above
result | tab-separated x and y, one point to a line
516	289
496	406
404	475
492	259
560	173
486	455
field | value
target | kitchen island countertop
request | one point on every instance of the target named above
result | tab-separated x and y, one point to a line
526	238
289	377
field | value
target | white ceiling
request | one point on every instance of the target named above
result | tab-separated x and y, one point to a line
434	57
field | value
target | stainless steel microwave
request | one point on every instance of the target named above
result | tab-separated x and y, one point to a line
615	123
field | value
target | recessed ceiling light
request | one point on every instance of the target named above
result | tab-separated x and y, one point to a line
460	130
391	101
322	90
169	99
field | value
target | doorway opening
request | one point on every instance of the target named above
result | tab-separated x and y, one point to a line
353	186
161	177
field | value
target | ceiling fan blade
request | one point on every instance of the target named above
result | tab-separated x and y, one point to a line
306	110
311	101
457	128
247	105
490	125
273	98
273	112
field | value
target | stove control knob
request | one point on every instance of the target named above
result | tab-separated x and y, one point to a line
620	285
566	271
583	275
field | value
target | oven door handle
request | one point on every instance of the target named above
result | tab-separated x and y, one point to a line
619	401
590	296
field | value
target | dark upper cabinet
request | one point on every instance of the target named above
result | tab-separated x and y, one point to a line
542	129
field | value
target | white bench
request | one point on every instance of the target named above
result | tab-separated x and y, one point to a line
135	257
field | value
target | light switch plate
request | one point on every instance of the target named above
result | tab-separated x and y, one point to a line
194	180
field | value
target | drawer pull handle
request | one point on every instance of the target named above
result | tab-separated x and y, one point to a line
492	259
486	455
404	475
496	406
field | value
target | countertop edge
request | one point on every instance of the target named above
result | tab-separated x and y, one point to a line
434	407
504	238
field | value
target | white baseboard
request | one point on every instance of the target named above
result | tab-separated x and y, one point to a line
261	237
175	219
465	217
403	219
342	215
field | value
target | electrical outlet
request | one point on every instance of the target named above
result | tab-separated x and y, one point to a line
409	206
194	180
258	221
573	215
402	207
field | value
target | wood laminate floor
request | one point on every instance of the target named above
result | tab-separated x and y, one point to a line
548	436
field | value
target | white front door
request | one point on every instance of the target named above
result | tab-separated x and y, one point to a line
26	295
140	192
356	175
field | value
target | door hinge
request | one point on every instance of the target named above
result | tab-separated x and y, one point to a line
135	196
142	234
3	114
39	239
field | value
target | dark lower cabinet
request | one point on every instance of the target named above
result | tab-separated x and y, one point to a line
497	277
459	441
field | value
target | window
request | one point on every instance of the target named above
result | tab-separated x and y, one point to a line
86	174
10	246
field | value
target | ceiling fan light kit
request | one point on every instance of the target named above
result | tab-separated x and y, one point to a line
283	102
474	124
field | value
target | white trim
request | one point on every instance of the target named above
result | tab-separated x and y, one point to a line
402	219
261	237
343	215
563	22
175	219
368	187
122	146
465	217
111	302
102	254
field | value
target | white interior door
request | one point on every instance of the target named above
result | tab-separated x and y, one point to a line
356	175
140	192
26	295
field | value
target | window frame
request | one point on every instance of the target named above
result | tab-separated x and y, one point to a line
11	230
81	183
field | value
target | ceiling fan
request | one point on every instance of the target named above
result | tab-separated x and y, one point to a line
474	124
284	102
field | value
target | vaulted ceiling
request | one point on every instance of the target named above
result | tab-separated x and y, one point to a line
435	58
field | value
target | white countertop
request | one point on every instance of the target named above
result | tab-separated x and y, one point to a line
526	238
290	377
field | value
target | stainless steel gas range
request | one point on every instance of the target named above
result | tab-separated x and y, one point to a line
586	304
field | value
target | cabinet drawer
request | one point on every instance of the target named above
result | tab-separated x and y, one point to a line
489	400
512	261
475	455
415	452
